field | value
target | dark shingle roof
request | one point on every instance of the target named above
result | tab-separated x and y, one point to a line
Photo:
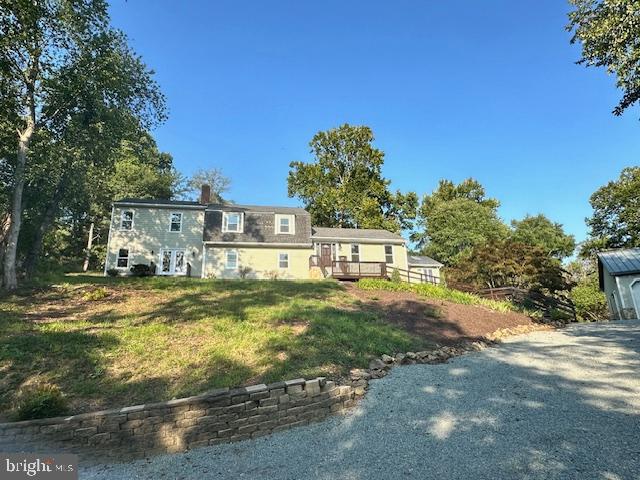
621	262
355	233
422	261
257	208
156	201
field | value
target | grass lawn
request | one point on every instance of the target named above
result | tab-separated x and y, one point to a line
109	342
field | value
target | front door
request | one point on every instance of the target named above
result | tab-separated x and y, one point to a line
172	262
325	254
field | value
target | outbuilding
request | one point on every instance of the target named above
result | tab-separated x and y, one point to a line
619	275
426	266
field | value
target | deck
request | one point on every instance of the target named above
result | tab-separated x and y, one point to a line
349	270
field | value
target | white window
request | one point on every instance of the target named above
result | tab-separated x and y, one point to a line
355	252
126	220
123	258
231	260
286	224
232	222
175	222
388	253
283	260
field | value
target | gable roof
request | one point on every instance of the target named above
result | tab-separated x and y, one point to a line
158	202
422	261
355	234
235	207
621	262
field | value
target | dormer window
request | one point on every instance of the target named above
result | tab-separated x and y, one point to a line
285	224
232	222
126	220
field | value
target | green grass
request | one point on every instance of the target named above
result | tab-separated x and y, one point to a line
437	292
107	342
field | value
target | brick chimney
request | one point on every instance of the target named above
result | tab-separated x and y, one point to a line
205	194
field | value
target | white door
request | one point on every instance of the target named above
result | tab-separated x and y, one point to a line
172	262
635	294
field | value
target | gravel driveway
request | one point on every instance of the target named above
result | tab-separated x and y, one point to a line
546	405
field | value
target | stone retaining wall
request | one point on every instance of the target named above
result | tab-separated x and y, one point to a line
215	417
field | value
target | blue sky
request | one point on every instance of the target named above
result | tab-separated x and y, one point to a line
451	90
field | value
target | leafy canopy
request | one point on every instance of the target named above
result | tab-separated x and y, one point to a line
541	232
344	186
608	32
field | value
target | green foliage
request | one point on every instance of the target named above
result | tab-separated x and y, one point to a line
539	231
141	270
213	177
437	292
344	186
95	294
41	400
113	272
589	301
615	222
395	276
507	263
607	30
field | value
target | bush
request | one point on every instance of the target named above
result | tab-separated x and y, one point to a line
141	270
113	272
590	302
95	294
41	400
272	274
395	276
244	272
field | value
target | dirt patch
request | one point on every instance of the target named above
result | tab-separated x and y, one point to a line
437	321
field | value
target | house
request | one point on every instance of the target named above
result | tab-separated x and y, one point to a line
619	276
424	266
214	240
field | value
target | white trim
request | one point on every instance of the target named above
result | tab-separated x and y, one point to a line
172	261
359	240
225	228
292	223
106	257
128	257
133	216
633	298
351	245
171	214
288	260
260	244
624	305
226	260
204	260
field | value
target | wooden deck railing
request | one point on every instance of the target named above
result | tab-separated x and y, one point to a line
349	269
412	276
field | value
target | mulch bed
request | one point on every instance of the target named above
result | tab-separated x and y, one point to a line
438	321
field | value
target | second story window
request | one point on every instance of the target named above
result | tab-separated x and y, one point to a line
388	253
232	222
285	224
126	220
175	222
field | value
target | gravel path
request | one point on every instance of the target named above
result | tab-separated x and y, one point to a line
548	405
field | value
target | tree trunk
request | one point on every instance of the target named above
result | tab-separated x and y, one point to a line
9	274
87	255
31	262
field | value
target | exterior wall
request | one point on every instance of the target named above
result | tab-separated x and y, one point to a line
373	252
150	233
621	287
435	271
261	260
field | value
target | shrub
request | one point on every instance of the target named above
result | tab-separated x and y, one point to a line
590	302
41	400
113	272
244	272
272	274
95	294
395	276
141	270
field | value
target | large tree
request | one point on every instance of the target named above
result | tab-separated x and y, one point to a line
615	222
63	67
455	218
609	33
217	181
344	186
539	231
